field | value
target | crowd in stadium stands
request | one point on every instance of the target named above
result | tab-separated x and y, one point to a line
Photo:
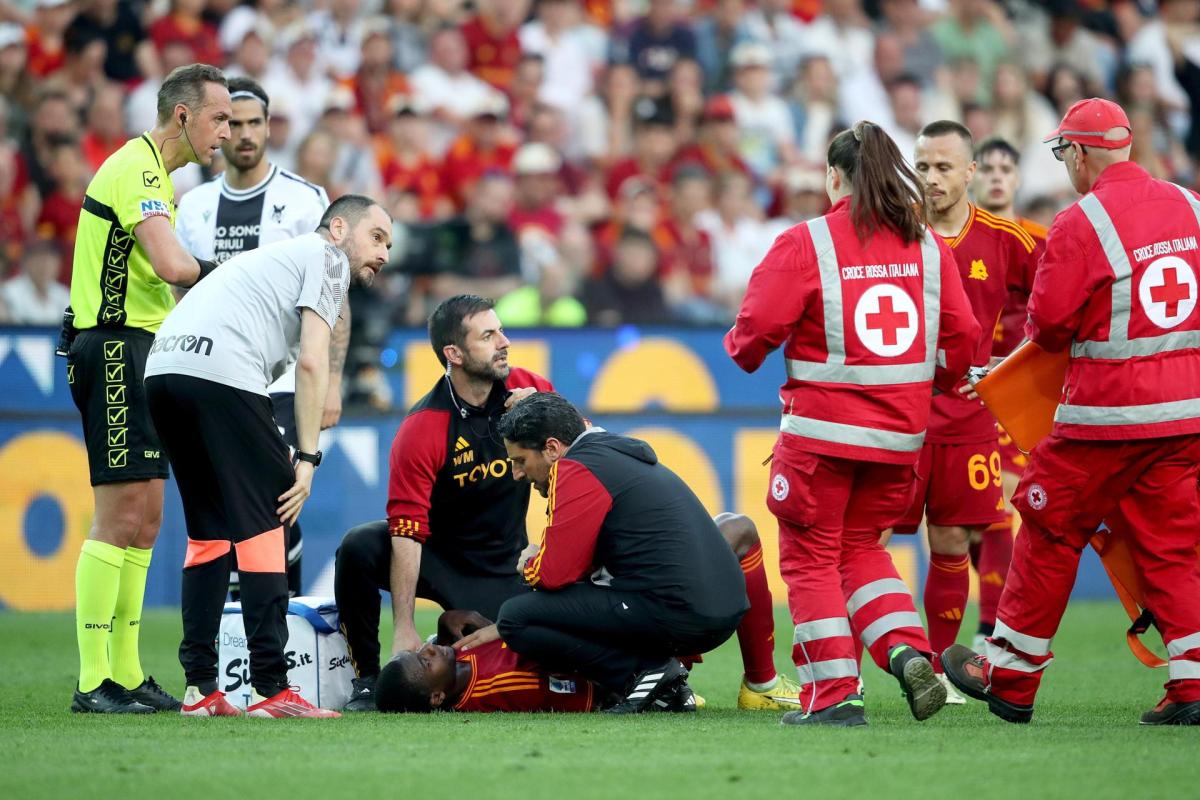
584	161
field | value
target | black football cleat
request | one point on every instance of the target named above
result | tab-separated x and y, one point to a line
362	695
107	698
1168	713
965	669
924	692
149	693
658	683
850	713
682	701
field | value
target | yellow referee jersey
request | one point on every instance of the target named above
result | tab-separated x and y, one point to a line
113	284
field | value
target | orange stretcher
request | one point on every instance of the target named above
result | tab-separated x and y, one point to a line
1022	392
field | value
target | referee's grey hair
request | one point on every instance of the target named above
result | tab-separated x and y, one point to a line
350	207
187	85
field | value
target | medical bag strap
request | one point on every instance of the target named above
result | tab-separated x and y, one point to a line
311	616
1142	618
1140	651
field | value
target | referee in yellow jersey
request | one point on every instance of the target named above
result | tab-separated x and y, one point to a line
126	259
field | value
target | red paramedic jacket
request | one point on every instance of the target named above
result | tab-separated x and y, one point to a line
1118	285
868	329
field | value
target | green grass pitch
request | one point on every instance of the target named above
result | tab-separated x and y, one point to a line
1084	741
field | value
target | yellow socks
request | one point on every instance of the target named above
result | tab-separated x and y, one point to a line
127	619
97	581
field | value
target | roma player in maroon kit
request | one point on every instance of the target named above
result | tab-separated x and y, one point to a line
958	478
488	677
995	187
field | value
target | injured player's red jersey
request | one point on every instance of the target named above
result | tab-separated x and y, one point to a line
501	680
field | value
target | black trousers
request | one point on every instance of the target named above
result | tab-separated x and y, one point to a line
607	635
283	406
231	466
363	568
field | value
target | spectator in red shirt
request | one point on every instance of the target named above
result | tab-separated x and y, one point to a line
404	162
59	216
638	207
17	197
686	266
654	145
184	24
538	184
485	146
44	38
105	132
493	41
716	147
82	74
377	81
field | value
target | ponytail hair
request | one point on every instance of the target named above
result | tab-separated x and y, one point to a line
884	189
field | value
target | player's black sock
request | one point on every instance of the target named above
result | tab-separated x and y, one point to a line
204	587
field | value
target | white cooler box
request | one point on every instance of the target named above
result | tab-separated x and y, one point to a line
318	661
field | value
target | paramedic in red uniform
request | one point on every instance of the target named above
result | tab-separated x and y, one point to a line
871	313
959	489
1117	285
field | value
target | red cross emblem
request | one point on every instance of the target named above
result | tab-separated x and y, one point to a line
1168	291
1172	292
888	320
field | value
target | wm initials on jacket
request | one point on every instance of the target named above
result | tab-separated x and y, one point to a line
463	454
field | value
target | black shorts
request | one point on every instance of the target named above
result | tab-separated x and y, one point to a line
105	368
229	459
283	405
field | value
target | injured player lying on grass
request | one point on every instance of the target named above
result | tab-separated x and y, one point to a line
489	676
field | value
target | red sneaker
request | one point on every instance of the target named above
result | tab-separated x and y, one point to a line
214	705
286	704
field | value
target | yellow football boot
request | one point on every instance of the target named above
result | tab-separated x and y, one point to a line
783	696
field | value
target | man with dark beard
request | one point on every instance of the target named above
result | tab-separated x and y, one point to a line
206	386
456	518
251	204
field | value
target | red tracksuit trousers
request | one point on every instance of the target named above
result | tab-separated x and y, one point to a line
1066	492
841	583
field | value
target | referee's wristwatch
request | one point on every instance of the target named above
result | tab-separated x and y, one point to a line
311	458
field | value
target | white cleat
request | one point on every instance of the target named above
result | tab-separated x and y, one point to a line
953	698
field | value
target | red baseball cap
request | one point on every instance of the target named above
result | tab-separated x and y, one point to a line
718	108
1087	121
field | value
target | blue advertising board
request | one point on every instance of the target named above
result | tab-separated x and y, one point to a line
707	420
